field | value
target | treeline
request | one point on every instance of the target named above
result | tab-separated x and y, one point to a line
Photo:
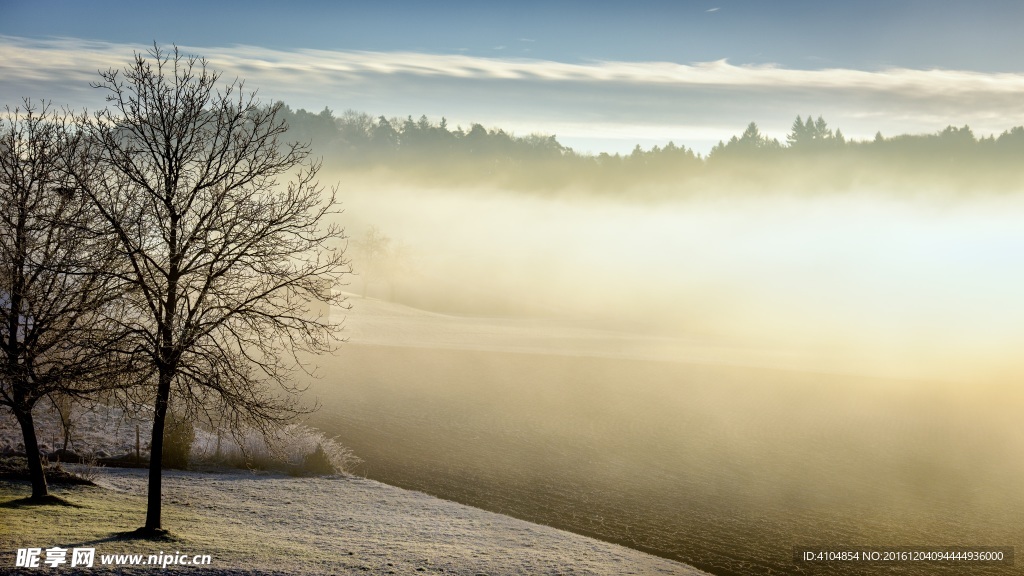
813	156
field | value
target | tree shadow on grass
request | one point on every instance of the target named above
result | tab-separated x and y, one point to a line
137	535
48	500
148	534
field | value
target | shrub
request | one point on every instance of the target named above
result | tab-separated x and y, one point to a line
294	449
317	463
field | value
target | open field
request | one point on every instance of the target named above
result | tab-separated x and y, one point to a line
723	467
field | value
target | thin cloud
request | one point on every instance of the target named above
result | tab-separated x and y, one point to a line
26	58
712	9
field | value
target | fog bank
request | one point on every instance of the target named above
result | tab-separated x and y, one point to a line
866	283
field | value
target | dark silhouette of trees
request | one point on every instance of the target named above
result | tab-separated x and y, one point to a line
1012	139
59	294
223	262
751	145
798	133
813	135
383	137
814	155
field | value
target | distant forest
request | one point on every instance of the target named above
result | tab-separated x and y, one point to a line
814	157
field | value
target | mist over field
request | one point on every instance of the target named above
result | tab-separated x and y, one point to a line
713	379
863	283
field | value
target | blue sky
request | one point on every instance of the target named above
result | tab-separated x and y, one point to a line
600	75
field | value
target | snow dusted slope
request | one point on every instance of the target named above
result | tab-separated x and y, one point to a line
359	526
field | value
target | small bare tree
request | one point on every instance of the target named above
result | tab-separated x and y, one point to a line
373	249
224	261
379	259
58	295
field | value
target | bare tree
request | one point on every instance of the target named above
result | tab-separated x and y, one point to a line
379	259
58	300
373	250
224	261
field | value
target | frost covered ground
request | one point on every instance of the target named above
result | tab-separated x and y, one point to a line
336	525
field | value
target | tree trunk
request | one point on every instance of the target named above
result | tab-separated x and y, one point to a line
156	450
35	462
63	405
